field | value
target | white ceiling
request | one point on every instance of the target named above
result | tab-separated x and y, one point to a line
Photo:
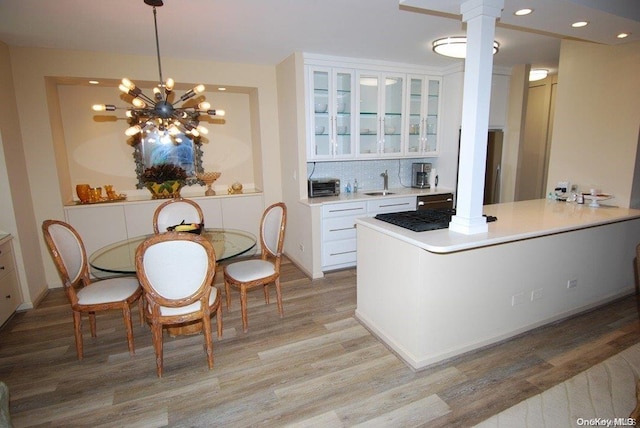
267	31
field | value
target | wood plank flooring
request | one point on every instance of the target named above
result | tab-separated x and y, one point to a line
316	367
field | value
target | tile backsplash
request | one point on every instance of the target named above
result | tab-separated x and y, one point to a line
367	172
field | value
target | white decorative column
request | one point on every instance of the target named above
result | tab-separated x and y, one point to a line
480	16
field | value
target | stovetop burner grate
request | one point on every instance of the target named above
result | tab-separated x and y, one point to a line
422	220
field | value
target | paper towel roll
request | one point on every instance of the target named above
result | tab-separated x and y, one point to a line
432	177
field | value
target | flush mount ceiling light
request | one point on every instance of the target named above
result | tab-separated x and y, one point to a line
623	35
537	74
159	112
456	47
523	12
580	24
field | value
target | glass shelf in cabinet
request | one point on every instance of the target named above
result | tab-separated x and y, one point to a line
393	114
321	90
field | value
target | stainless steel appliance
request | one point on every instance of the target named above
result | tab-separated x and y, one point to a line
442	200
323	187
420	175
422	220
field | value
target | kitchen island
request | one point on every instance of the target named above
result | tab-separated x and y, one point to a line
434	295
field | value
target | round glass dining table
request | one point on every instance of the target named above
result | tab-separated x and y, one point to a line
120	258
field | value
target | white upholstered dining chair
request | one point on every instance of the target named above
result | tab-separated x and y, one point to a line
248	274
175	211
176	271
87	296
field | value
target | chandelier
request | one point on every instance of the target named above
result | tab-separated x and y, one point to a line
160	111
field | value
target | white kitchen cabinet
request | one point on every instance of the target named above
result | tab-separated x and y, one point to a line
423	107
339	229
339	233
391	205
330	113
380	114
10	296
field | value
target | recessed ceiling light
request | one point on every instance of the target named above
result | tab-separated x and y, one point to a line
222	89
93	82
523	12
579	24
537	74
623	35
456	47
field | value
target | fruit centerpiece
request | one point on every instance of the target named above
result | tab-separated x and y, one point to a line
164	180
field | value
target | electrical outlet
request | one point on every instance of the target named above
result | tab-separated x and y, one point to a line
536	294
572	283
518	299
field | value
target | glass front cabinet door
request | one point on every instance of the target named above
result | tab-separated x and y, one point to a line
330	117
423	107
380	114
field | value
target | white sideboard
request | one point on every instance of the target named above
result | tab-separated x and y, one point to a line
106	223
10	296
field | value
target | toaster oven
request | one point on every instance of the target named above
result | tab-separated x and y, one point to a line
323	187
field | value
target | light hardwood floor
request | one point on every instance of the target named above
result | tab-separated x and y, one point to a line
316	367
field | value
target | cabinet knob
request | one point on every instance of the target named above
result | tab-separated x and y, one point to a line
1	267
8	296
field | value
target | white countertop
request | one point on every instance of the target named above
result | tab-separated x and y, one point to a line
361	195
515	221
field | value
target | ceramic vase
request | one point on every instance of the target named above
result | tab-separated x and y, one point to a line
165	190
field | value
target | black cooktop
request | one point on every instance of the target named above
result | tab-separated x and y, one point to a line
423	220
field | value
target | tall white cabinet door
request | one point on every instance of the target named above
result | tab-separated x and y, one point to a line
380	114
98	225
330	108
423	107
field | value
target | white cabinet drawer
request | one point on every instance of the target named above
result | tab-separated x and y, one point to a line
10	297
337	228
345	209
6	260
337	253
391	205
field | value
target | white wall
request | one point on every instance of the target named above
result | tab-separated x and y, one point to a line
597	120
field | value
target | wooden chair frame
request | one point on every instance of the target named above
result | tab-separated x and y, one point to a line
82	279
154	300
170	202
266	255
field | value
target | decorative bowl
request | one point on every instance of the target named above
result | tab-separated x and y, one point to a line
320	107
319	129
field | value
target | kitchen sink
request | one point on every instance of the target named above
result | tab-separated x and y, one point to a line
379	193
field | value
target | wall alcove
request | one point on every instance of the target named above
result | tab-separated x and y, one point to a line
91	147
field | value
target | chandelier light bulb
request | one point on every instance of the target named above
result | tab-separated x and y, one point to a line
135	129
199	89
169	84
103	107
215	112
202	130
205	105
137	102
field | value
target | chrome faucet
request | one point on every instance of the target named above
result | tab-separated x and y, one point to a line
385	177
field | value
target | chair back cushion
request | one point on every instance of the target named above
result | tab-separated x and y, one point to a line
176	268
175	212
272	231
68	245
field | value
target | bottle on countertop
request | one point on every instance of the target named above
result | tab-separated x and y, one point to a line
355	186
347	188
